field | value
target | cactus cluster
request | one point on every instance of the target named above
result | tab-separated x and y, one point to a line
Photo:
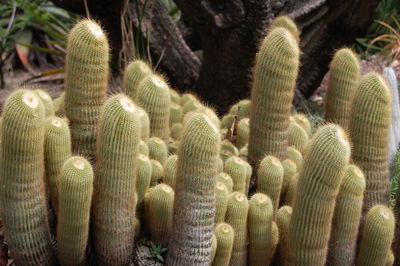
153	167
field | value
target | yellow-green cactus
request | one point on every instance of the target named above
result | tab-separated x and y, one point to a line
134	73
226	179
237	169
298	137
170	170
242	135
157	172
143	178
221	202
158	150
296	157
47	102
225	235
283	217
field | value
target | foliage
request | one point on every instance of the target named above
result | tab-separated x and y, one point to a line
157	252
394	182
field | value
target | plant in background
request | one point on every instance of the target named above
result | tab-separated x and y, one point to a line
157	252
394	181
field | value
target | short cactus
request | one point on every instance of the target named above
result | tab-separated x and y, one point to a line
237	169
289	171
298	137
377	236
170	170
346	218
344	77
176	130
369	127
175	96
261	214
144	124
319	183
291	190
221	202
225	235
114	199
158	150
143	149
57	147
47	102
76	189
236	216
193	224
287	23
283	220
242	136
226	179
153	96
143	178
23	202
86	76
274	79
176	114
134	73
295	156
302	120
157	172
275	236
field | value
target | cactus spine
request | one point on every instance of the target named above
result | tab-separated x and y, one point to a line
76	188
270	178
193	224
346	218
153	96
319	182
260	217
86	75
371	117
24	210
342	85
236	216
114	200
274	78
159	208
225	234
377	236
57	149
134	73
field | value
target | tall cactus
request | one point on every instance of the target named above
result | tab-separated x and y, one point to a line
342	86
346	218
260	218
153	96
86	75
225	234
134	73
194	206
76	188
24	210
115	196
319	182
274	79
371	117
377	236
57	147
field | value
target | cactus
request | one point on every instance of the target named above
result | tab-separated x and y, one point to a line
346	218
176	130
47	102
143	149
227	120
159	205
86	75
170	170
291	190
270	178
221	202
275	236
237	169
287	23
377	236
175	97
295	156
261	213
283	217
157	150
187	97
173	147
134	73
274	79
23	203
302	120
59	105
193	224
343	81
144	124
236	216
225	235
319	183
298	137
241	109
389	258
226	179
114	201
76	189
214	244
244	152
289	171
176	114
369	127
153	96
143	178
191	106
242	135
157	172
226	145
57	149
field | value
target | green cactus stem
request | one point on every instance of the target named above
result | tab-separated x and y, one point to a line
134	73
225	235
158	150
221	202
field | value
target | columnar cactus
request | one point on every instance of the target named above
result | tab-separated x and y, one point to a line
242	136
289	171
157	150
143	178
134	73
298	137
157	172
153	96
114	200
144	124
76	189
319	183
346	218
143	149
261	214
237	169
170	170
23	200
369	127
236	216
225	234
270	178
291	190
287	23
159	205
226	179
221	202
377	236
274	79
194	206
176	114
283	220
303	121
296	157
57	149
47	102
86	75
176	130
344	77
275	236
